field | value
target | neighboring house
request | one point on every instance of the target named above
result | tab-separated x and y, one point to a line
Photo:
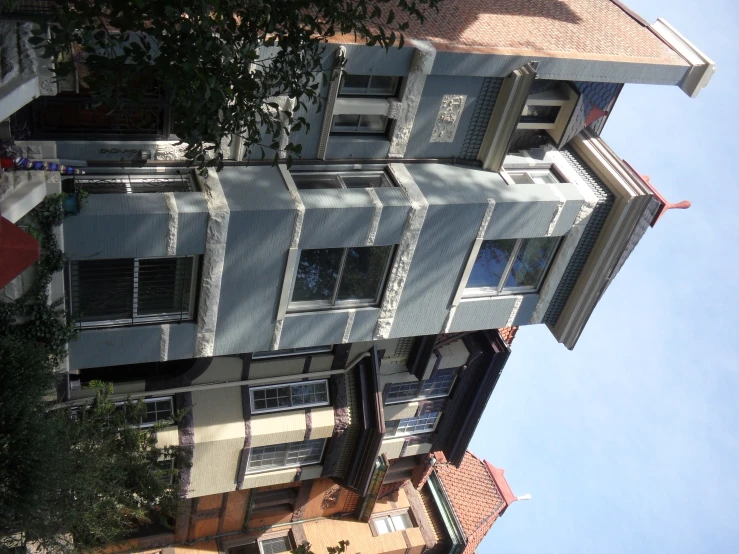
331	324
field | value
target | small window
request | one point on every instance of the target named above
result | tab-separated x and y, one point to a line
132	291
339	277
437	387
157	409
276	398
336	180
533	176
292	454
131	182
510	266
363	124
412	425
369	85
391	523
540	114
275	545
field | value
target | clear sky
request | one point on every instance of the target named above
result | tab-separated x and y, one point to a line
630	443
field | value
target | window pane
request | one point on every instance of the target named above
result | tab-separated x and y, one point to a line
382	524
401	521
318	271
305	452
531	262
356	84
372	124
309	393
490	263
382	85
365	180
264	457
539	114
348	123
438	386
102	289
363	272
276	545
521	178
272	398
418	424
402	391
164	286
316	180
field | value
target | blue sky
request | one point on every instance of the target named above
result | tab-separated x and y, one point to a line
630	444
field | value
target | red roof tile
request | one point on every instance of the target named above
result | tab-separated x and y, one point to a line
478	493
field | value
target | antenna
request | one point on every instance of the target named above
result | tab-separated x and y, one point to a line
526	496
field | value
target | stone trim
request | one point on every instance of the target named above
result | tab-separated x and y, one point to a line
514	311
172	223
348	329
376	215
423	62
328	114
404	252
292	256
164	342
212	272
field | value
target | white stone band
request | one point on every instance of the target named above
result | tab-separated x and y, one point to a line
372	234
172	224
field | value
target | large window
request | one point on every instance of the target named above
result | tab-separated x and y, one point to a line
340	277
412	425
436	387
292	454
510	266
276	545
133	181
340	179
292	352
391	523
288	396
132	291
362	124
369	85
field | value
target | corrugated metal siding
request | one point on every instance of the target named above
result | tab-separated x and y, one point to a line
118	226
314	328
182	341
587	241
217	415
485	313
214	467
102	345
363	327
480	118
192	223
344	146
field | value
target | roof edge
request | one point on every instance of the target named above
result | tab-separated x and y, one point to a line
501	482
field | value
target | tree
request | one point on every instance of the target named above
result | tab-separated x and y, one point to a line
223	63
304	548
92	475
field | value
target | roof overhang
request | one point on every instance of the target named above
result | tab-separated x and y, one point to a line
701	67
471	395
632	201
371	428
507	111
449	518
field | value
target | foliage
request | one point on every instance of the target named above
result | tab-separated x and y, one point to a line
92	475
304	548
31	316
223	63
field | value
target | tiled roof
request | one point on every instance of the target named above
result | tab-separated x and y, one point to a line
508	334
475	497
596	29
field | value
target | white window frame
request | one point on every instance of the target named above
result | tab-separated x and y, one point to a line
398	422
339	177
334	304
358	130
249	471
418	395
501	289
390	524
135	319
274	537
151	401
254	410
531	173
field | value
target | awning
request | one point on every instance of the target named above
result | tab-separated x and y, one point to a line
18	251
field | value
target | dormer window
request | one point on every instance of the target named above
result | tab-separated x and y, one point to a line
549	110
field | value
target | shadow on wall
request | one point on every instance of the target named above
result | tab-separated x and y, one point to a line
498	22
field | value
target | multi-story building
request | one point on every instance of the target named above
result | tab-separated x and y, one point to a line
331	324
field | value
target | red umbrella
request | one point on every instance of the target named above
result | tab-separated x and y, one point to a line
18	251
